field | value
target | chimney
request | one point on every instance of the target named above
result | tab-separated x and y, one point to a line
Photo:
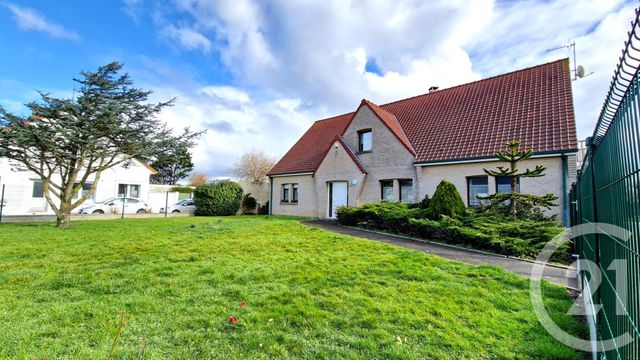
433	88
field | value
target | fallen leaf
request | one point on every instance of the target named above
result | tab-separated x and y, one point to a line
233	320
243	303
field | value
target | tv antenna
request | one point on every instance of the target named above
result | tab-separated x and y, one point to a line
578	70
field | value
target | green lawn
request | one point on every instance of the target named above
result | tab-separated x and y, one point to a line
309	293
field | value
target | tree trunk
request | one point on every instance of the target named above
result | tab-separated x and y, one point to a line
514	188
63	217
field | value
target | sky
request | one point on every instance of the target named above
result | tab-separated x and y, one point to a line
256	74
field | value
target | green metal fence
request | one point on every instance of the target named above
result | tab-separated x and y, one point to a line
608	191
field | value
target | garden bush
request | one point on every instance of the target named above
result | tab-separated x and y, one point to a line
491	232
446	201
219	198
249	204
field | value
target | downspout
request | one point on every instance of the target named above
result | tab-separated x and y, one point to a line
270	194
565	208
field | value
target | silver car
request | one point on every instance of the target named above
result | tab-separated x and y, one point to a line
183	206
114	206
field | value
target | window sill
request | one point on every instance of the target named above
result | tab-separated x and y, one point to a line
288	203
364	152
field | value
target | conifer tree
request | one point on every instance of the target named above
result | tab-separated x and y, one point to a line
513	155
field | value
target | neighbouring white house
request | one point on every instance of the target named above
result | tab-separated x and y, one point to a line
24	195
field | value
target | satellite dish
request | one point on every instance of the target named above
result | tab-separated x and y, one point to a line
580	71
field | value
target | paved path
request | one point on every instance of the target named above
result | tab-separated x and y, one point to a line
552	274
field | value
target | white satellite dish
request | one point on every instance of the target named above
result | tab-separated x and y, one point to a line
580	71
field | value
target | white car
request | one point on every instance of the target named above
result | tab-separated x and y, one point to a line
114	206
183	206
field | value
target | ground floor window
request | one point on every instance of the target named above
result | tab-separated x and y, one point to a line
294	193
503	184
477	186
406	190
38	189
285	193
386	190
128	190
86	187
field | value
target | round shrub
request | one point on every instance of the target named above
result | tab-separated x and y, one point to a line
446	201
217	198
249	204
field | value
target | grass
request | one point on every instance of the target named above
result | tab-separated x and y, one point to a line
309	294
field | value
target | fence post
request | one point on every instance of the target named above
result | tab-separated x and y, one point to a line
124	199
166	204
595	220
1	202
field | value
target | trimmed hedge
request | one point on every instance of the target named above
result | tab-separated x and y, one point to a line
495	233
220	198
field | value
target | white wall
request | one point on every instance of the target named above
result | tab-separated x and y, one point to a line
19	187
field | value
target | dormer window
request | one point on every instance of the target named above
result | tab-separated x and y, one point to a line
364	141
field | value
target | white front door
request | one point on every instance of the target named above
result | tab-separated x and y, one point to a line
337	196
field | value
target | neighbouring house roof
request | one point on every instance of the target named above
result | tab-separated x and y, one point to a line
469	121
149	167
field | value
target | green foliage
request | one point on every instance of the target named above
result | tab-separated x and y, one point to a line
249	204
514	199
218	198
384	216
179	280
68	143
446	201
183	189
172	163
423	204
488	231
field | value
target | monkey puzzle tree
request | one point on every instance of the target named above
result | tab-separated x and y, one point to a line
513	155
70	142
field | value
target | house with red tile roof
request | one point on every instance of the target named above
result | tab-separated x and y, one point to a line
400	151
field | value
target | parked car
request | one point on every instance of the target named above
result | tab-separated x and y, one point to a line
114	205
182	206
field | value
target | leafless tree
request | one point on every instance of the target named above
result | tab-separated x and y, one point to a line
197	179
254	166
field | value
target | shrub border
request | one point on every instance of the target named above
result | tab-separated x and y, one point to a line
556	265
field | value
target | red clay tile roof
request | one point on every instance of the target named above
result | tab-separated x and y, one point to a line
307	154
473	120
352	155
391	122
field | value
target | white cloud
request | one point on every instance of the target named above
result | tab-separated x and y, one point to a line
317	51
188	38
29	19
294	62
236	123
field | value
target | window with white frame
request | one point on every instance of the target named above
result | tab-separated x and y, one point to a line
38	189
285	193
294	193
129	190
86	187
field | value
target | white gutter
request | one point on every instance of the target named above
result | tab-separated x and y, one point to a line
487	160
291	174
